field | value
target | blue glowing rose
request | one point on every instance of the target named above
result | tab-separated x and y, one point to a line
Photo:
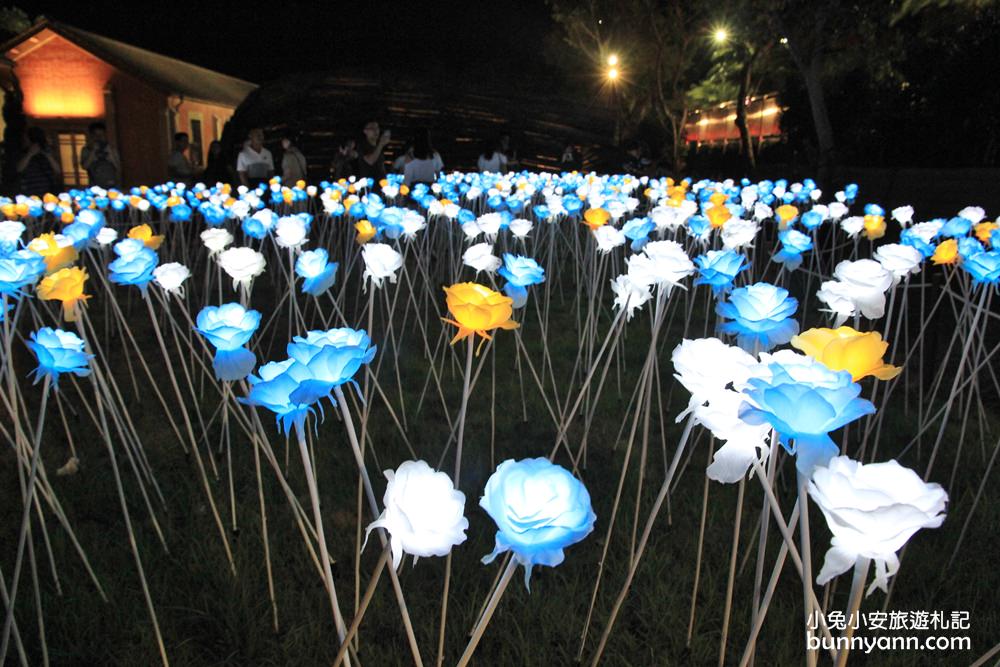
19	270
984	267
521	271
539	508
333	357
134	265
718	268
804	401
272	388
58	352
228	328
760	316
318	272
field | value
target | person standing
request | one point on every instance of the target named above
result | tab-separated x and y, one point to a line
179	167
216	169
99	158
254	163
39	172
293	163
344	160
492	159
371	156
426	162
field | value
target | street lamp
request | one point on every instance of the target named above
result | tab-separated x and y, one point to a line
613	74
612	60
720	35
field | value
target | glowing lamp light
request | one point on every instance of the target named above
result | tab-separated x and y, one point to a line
613	60
613	73
720	35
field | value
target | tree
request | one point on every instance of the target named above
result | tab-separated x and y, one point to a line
661	47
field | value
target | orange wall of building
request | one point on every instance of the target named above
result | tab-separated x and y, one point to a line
59	79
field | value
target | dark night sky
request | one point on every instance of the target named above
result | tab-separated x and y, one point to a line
262	41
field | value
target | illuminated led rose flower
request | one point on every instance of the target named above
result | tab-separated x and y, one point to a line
481	258
242	265
804	401
718	269
739	233
899	260
478	310
290	231
629	295
58	352
228	328
65	285
216	239
706	366
171	277
540	509
608	238
872	510
381	262
759	316
424	514
844	349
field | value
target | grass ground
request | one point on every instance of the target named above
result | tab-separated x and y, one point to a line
209	617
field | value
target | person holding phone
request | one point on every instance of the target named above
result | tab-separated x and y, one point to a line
371	155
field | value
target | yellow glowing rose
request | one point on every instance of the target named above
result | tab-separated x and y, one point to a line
596	217
366	232
845	349
65	285
56	256
786	213
718	215
983	231
874	227
145	234
478	310
946	252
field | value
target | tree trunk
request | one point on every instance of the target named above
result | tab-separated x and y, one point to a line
821	118
746	142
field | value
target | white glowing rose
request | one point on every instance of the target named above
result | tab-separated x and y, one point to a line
662	263
742	442
629	295
974	214
107	236
242	265
489	224
608	238
290	231
853	225
216	239
706	366
737	233
412	223
872	511
926	231
899	260
424	514
171	277
11	230
868	281
381	262
481	258
837	210
520	227
903	215
839	298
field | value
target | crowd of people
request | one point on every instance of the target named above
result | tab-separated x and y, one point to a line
39	170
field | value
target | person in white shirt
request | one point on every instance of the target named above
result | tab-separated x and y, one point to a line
492	159
254	163
426	163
